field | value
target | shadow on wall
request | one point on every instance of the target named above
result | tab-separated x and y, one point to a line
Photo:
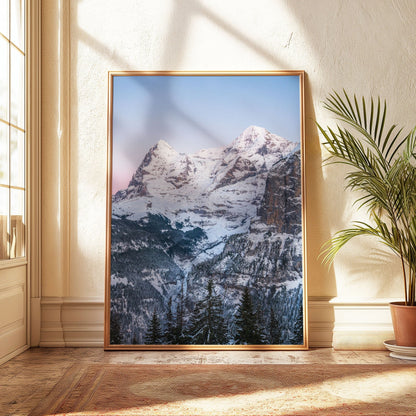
376	27
177	37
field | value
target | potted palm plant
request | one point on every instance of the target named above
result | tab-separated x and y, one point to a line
382	170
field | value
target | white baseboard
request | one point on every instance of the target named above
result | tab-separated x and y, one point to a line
72	322
343	324
35	321
361	324
320	321
13	354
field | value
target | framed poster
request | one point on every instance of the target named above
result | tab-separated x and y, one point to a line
205	219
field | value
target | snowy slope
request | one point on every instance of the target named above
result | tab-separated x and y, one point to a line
217	189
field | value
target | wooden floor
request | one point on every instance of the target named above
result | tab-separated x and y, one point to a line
27	379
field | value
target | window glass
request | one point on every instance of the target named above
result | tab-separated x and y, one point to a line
4	223
17	88
4	17
17	158
4	154
17	223
12	129
17	23
4	79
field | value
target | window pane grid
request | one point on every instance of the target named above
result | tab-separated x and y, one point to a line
2	185
12	125
2	35
12	129
7	39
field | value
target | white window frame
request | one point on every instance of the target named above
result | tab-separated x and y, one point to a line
21	260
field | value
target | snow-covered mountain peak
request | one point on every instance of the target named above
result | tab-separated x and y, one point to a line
222	187
256	139
251	136
253	131
159	157
163	149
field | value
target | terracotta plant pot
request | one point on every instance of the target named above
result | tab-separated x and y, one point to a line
404	323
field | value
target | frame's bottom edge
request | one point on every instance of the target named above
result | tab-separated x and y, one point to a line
206	347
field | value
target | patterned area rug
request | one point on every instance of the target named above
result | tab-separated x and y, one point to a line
233	390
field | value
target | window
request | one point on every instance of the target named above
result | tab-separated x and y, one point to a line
12	129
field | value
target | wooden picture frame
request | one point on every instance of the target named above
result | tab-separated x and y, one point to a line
205	211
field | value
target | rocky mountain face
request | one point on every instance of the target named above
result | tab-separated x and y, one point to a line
229	215
282	205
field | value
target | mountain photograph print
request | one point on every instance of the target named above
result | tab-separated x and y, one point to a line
205	211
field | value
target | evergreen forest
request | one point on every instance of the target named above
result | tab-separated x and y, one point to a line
207	325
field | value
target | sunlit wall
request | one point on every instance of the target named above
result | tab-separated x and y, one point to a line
366	47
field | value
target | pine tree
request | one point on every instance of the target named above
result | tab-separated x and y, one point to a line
179	333
207	325
297	335
260	326
282	310
246	322
154	333
274	328
170	330
115	331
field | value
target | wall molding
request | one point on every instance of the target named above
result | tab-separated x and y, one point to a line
13	354
361	324
34	151
72	322
341	323
320	321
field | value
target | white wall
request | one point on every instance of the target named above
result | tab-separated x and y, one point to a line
366	47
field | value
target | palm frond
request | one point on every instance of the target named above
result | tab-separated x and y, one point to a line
370	125
331	247
382	169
